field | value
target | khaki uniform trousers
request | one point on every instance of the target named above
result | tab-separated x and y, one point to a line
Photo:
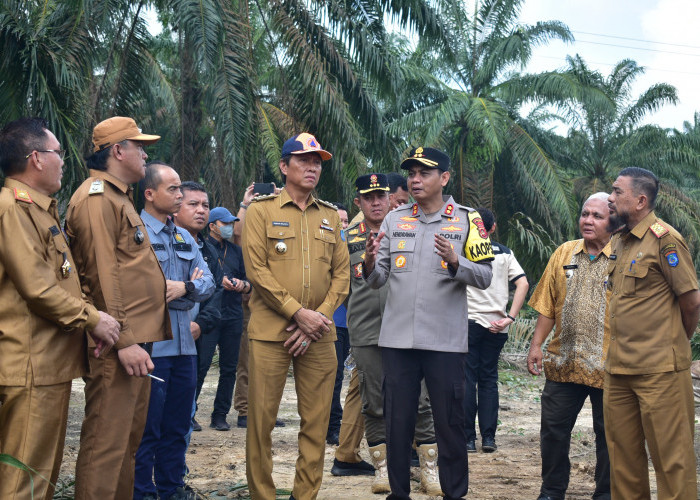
657	408
116	406
371	375
240	395
352	427
314	378
33	430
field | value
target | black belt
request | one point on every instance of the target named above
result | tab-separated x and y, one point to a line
147	346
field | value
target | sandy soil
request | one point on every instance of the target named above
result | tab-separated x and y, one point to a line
217	459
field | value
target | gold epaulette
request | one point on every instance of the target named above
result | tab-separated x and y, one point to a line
658	229
327	203
262	197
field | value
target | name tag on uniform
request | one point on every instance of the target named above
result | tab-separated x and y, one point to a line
280	223
158	246
183	247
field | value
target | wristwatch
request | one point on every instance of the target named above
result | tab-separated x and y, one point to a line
189	287
243	205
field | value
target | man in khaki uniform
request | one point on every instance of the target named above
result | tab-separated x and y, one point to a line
43	317
653	312
120	272
298	264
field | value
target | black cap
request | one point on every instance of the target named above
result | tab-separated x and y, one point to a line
372	182
428	157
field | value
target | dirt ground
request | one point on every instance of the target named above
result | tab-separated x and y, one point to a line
217	459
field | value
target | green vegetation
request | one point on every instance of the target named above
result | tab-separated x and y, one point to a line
227	81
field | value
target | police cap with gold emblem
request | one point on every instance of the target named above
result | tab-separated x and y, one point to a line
427	157
372	182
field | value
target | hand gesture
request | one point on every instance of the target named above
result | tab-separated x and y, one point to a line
445	249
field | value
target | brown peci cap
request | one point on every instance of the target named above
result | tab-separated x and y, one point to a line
118	129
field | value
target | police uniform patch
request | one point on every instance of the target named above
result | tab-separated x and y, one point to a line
363	228
357	239
357	270
179	238
414	210
451	228
22	195
658	229
478	247
401	245
406	218
667	249
479	223
97	187
672	258
353	231
449	209
400	261
280	223
406	226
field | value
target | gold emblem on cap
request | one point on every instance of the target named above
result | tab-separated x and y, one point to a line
418	153
281	247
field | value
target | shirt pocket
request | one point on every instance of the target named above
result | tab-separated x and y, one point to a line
281	243
402	254
632	280
62	260
325	243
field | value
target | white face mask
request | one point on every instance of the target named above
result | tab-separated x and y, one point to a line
226	231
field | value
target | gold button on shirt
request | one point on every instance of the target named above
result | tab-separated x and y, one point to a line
645	319
294	259
118	269
42	311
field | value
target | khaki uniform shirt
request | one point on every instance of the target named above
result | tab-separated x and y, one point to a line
365	304
651	268
43	315
294	259
572	290
118	269
427	303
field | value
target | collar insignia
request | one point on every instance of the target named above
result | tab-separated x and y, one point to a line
414	211
22	195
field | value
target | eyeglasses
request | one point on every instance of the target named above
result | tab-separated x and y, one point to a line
60	152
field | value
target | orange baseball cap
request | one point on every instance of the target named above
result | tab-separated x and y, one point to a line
304	143
117	129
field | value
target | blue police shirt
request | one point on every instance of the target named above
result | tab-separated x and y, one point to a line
178	255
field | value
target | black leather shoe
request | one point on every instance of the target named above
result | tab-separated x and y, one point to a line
279	423
242	422
219	423
195	426
488	445
352	469
333	438
545	497
471	446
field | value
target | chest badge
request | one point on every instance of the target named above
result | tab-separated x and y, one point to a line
138	236
281	247
66	267
400	261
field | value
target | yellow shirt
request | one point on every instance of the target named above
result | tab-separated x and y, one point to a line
651	268
43	315
294	259
572	290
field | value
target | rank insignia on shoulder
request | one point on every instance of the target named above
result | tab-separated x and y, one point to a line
658	229
353	231
179	238
672	258
22	195
362	227
328	204
262	197
97	187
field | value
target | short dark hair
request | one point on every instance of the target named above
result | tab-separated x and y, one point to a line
643	181
18	139
98	160
152	179
192	186
396	181
487	217
340	206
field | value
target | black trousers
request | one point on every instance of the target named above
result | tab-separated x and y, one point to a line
561	404
445	380
342	349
